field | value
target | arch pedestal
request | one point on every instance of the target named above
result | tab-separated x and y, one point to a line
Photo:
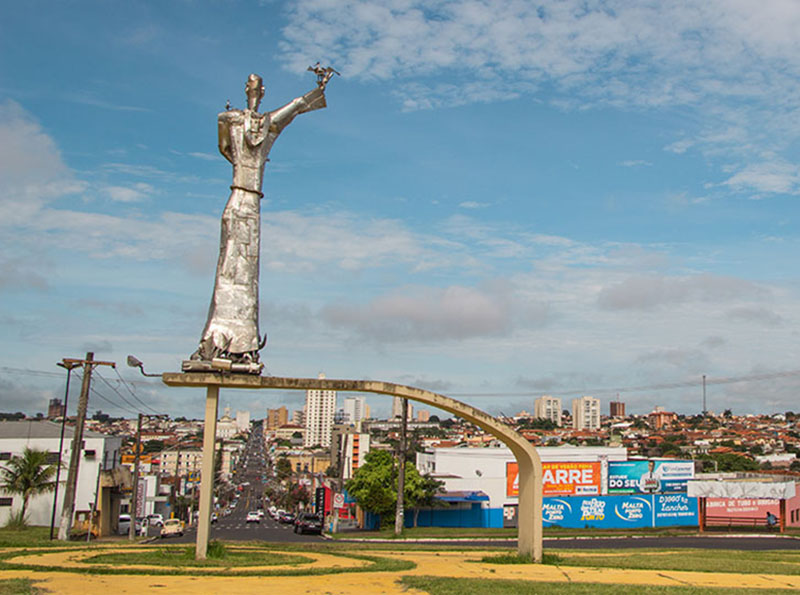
530	466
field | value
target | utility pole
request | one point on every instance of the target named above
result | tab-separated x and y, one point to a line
68	508
134	507
399	514
704	396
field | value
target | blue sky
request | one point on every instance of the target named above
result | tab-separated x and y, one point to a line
502	198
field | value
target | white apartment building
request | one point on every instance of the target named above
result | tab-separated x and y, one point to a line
243	421
397	408
547	407
586	413
319	411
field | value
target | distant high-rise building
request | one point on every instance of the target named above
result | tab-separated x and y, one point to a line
617	409
243	421
397	408
586	413
55	409
319	410
277	417
547	407
423	415
354	410
299	417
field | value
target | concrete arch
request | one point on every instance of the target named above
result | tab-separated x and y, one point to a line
530	466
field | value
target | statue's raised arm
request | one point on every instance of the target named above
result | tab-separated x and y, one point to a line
313	100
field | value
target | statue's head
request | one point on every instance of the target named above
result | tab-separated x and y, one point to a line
254	89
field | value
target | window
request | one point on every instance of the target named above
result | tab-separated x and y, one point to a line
89	454
5	456
6	501
52	458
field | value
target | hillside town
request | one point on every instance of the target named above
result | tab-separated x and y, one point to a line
313	456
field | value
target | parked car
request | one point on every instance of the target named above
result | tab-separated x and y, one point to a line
252	517
172	527
308	523
155	520
286	518
124	525
214	518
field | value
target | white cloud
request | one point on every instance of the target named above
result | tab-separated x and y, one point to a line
737	63
647	292
771	177
427	314
135	193
635	163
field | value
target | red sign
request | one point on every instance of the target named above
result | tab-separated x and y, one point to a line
560	479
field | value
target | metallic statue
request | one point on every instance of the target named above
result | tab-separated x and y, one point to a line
231	339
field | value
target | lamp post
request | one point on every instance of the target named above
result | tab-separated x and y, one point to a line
68	367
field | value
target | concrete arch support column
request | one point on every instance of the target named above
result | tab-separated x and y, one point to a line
530	466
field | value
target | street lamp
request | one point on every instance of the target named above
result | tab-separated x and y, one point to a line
67	365
135	362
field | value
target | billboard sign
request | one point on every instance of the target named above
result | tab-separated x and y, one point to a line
649	477
560	479
616	512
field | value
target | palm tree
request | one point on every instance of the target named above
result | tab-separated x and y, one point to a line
28	475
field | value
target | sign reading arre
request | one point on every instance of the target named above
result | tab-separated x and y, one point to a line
560	479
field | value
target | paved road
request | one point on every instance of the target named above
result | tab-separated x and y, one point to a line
234	528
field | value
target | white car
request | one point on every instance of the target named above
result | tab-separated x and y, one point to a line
253	517
172	527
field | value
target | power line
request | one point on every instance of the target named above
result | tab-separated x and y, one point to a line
133	393
119	394
97	393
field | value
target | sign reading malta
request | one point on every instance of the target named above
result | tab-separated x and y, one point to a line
560	479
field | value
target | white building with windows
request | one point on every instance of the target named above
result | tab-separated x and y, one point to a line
319	412
397	407
586	413
547	407
243	421
99	465
355	409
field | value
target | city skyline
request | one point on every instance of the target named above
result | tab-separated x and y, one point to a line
514	201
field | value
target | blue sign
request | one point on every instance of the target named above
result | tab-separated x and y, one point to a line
617	512
649	477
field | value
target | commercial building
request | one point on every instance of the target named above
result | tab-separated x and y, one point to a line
547	407
319	411
586	413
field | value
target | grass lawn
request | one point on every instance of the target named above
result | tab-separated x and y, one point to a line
449	586
33	537
751	562
179	560
184	556
18	586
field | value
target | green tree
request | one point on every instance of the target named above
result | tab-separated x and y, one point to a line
28	475
374	485
424	494
283	468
